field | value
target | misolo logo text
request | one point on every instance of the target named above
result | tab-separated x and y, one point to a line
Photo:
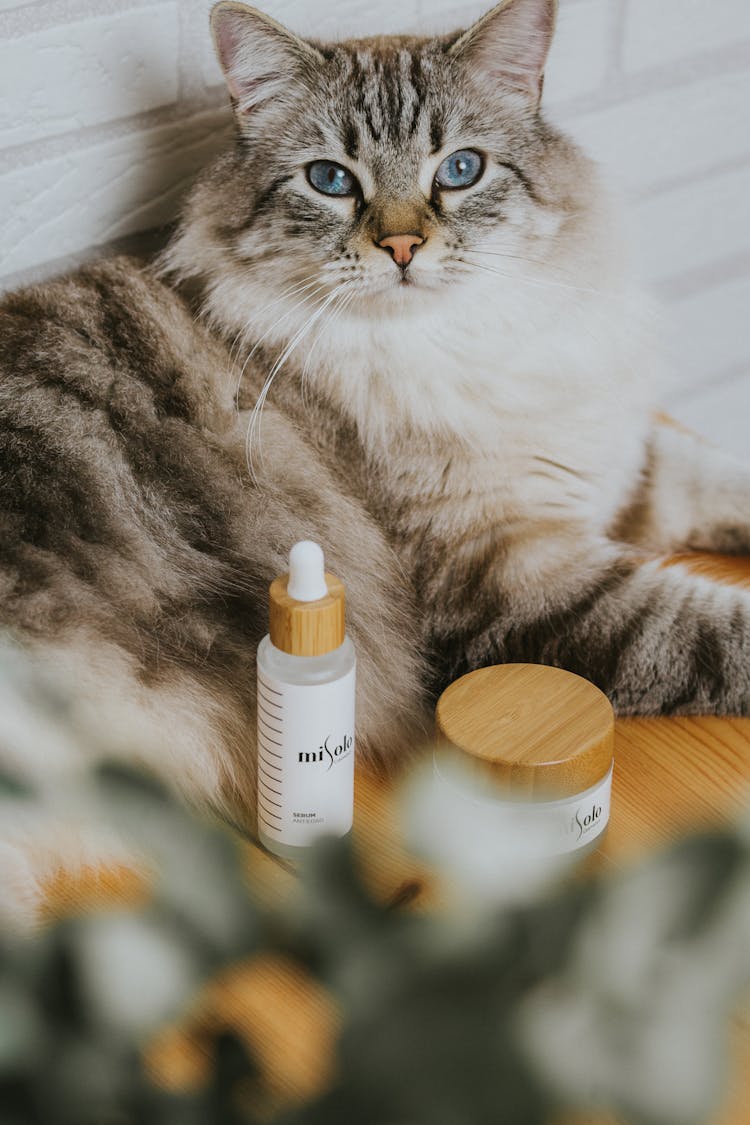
330	752
583	821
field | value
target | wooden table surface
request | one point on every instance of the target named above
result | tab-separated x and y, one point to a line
671	776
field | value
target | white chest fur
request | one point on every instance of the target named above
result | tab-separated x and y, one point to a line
550	402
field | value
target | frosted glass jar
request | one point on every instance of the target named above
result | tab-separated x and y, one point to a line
525	757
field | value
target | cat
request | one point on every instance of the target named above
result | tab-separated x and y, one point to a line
396	317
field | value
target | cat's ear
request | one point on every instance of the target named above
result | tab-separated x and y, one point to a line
259	57
510	44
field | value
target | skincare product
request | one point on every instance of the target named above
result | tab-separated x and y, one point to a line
306	679
527	750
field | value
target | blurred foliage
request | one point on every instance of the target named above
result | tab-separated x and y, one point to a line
605	993
79	999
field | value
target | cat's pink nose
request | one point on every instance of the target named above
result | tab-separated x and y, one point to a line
401	247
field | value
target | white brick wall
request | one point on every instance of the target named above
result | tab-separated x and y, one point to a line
659	31
696	225
660	137
99	192
109	107
112	65
710	326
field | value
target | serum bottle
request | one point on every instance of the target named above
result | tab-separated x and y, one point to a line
306	680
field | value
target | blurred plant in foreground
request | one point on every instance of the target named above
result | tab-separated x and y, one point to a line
604	994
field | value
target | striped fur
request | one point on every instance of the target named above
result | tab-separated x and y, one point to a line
471	437
133	542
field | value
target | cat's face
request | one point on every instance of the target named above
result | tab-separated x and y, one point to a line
390	167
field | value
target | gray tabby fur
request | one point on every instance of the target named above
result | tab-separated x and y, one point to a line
475	451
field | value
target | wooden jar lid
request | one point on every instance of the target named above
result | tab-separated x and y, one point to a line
307	628
533	729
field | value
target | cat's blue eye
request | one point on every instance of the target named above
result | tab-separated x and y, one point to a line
331	178
460	170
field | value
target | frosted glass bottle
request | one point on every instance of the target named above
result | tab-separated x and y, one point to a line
306	689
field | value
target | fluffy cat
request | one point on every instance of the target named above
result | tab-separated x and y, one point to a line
421	283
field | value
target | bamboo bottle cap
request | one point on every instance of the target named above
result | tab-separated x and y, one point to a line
307	605
534	730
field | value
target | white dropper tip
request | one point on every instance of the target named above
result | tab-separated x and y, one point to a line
307	581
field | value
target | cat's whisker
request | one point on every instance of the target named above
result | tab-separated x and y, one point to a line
537	282
289	347
296	287
595	314
496	272
343	306
345	300
291	290
255	418
528	260
289	312
236	344
515	278
525	258
326	324
592	310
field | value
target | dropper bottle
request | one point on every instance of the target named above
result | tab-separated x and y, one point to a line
306	682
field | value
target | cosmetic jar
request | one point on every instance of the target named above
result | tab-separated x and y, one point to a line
525	753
